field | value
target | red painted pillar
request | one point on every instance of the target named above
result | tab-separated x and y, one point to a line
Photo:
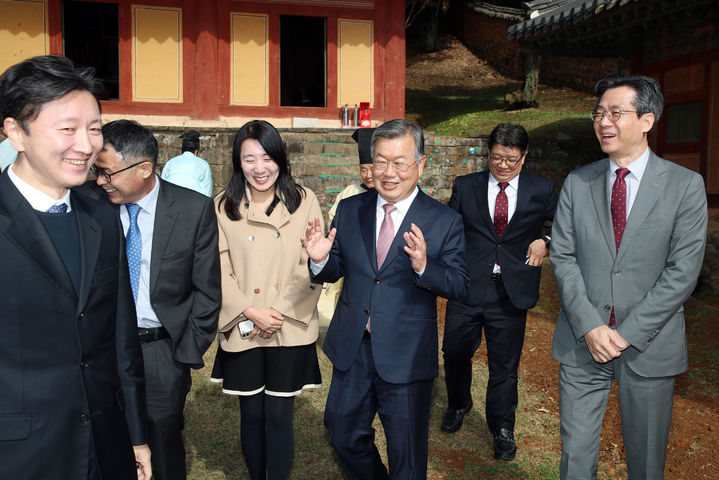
206	77
394	59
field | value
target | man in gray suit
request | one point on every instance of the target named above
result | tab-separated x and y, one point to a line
628	241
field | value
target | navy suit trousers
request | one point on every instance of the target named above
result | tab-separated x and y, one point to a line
355	397
503	326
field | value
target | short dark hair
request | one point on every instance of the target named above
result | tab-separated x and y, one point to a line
190	141
27	86
399	128
648	97
509	135
131	140
286	190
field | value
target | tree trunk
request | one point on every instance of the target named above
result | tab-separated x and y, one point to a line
427	24
531	79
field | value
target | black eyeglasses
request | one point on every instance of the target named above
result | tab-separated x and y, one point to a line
107	176
509	161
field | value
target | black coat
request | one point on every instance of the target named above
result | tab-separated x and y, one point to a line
536	202
70	363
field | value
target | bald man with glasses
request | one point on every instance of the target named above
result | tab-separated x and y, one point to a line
504	212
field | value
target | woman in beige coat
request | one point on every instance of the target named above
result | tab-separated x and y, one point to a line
268	320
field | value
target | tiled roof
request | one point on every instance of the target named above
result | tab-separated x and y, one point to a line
547	15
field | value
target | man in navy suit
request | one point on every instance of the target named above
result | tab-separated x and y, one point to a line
397	250
504	213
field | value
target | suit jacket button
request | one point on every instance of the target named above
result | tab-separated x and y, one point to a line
257	290
607	308
366	311
377	281
83	364
84	418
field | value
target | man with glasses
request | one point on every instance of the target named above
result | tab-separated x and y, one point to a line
628	243
71	386
504	211
171	239
397	249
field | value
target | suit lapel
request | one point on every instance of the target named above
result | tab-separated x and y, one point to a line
523	196
650	189
480	193
165	215
90	239
598	188
368	224
29	235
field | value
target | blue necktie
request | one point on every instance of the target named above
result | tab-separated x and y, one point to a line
134	247
62	208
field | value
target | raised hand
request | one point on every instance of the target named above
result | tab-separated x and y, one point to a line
416	248
317	245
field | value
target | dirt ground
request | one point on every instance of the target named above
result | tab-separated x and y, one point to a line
693	449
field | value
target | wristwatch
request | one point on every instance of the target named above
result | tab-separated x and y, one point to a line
547	240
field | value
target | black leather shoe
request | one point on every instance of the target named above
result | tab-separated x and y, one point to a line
504	447
452	419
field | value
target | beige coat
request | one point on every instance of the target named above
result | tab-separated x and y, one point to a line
264	265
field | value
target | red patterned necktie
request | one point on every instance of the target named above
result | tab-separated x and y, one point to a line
501	210
619	213
386	234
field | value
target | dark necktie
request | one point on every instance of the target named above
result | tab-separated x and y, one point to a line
619	205
619	214
386	234
501	210
133	246
62	208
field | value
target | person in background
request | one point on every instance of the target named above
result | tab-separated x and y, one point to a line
73	402
268	321
171	237
503	210
8	155
397	249
188	170
331	291
628	242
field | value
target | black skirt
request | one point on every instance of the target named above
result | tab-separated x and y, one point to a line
278	371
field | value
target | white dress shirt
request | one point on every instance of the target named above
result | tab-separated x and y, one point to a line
37	199
633	179
146	317
511	192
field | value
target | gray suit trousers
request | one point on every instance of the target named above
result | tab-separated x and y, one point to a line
646	410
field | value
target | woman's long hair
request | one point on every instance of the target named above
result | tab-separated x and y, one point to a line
286	190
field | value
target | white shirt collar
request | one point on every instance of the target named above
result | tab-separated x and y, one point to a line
403	205
636	167
37	199
513	183
149	201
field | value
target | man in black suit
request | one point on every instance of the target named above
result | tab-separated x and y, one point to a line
397	249
171	235
504	213
72	401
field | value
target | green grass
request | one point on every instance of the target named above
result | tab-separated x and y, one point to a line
465	112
